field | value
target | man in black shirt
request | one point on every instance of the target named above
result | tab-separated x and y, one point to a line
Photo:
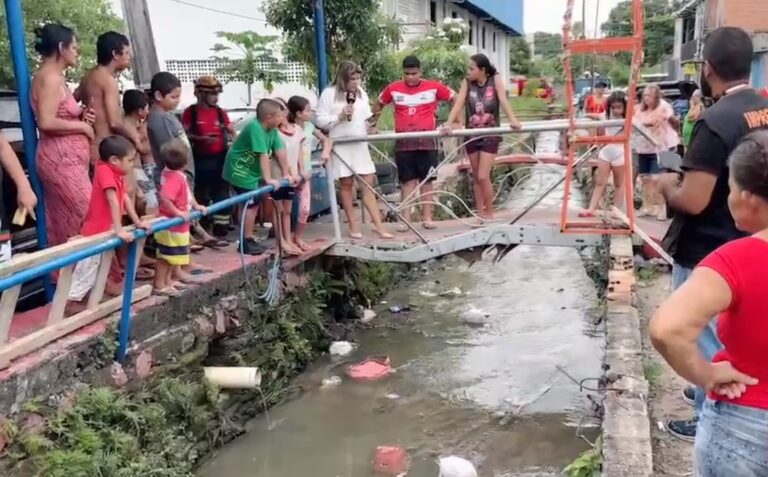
702	221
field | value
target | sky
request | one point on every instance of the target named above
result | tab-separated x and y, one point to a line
551	20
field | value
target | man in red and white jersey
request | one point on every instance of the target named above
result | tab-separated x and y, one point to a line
415	101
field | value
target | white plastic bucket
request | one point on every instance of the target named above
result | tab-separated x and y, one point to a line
234	377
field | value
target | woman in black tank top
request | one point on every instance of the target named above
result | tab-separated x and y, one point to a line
482	94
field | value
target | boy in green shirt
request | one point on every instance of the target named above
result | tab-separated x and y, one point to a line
247	164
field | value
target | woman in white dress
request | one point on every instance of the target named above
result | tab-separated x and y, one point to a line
340	118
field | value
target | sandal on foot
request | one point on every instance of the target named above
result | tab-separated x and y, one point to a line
169	292
215	243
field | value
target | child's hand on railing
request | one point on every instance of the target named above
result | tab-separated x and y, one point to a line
143	225
295	179
184	215
200	208
125	236
446	129
274	183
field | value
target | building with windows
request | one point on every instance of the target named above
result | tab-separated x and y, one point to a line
492	23
698	17
185	32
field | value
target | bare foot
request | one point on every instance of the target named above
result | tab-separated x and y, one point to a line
402	228
429	225
291	250
183	276
113	289
74	307
303	245
384	234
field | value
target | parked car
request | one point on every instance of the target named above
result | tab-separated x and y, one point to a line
24	238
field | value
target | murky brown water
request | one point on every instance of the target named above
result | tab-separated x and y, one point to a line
491	394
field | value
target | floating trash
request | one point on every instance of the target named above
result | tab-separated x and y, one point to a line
427	294
390	460
367	316
455	291
341	348
475	316
392	396
399	309
456	467
331	382
370	370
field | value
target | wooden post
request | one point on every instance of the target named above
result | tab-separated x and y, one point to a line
145	62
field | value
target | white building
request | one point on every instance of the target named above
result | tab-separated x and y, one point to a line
185	32
492	23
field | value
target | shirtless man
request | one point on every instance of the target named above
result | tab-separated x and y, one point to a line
99	90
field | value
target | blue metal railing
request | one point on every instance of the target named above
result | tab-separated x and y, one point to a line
55	264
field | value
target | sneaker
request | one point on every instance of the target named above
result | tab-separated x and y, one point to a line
689	395
252	247
683	430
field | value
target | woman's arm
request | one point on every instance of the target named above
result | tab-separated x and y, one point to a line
678	322
48	94
461	98
327	145
325	118
501	92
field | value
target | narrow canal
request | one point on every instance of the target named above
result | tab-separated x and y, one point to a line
490	394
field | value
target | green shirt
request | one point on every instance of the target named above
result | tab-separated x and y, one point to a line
242	168
688	129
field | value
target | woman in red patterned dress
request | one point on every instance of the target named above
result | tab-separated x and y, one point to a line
63	150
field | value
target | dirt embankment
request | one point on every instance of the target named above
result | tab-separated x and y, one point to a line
671	456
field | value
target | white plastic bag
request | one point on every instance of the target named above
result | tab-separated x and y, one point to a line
474	316
341	348
456	467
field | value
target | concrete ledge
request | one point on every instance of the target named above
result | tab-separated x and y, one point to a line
627	448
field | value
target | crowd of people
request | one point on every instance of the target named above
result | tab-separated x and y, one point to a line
102	168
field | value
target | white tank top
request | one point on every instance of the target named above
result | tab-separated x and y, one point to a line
294	149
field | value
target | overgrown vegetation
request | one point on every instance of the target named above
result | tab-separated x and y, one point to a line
588	464
166	427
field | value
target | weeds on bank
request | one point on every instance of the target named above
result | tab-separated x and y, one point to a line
652	371
588	464
647	274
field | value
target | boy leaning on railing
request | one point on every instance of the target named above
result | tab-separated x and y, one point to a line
109	201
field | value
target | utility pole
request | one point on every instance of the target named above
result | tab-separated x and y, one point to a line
145	62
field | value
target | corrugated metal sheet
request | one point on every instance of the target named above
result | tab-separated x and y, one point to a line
508	13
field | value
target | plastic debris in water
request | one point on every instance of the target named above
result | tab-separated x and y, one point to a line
367	316
390	460
331	382
341	348
392	396
427	294
370	369
475	316
399	309
456	467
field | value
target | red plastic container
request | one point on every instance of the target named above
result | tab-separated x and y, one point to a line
390	460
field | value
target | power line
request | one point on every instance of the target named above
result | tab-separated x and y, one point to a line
222	12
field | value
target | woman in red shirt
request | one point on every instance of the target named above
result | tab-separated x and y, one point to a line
732	434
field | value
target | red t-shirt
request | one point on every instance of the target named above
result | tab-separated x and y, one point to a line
99	216
764	92
743	327
415	108
174	187
594	105
207	125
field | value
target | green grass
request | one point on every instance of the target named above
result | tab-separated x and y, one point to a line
652	371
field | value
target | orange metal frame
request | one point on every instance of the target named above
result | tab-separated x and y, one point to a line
571	46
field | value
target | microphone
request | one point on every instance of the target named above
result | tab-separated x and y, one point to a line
351	98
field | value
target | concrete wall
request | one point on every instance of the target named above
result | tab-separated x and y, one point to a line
750	15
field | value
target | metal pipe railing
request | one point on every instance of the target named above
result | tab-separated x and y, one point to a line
526	127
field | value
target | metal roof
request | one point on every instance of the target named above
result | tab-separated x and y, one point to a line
505	14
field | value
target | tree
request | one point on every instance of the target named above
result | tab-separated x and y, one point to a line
355	30
520	56
659	27
88	18
547	44
254	61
